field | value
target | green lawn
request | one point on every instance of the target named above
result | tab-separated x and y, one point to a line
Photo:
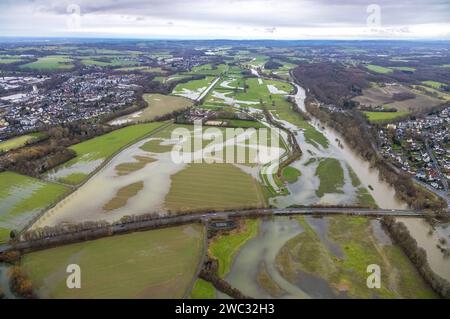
331	176
377	117
224	248
203	290
53	62
21	198
17	142
153	264
379	69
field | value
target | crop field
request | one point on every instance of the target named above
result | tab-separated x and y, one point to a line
434	92
379	117
56	62
379	69
214	186
109	61
21	198
17	142
344	263
434	84
146	69
193	89
9	59
158	105
153	264
384	96
331	176
403	68
98	149
208	69
419	103
225	247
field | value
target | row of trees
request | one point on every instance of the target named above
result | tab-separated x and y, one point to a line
35	159
418	256
20	284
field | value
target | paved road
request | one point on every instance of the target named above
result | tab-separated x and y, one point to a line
67	238
213	84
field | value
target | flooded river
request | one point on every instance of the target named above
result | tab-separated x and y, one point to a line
263	250
383	193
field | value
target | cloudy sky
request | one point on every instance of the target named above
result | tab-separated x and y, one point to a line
234	19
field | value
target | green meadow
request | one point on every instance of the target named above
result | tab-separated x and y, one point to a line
17	142
153	264
379	117
21	198
53	62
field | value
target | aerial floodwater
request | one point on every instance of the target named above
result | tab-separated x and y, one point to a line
382	193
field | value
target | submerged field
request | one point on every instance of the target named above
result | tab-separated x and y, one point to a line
153	264
193	89
146	179
92	153
21	198
321	258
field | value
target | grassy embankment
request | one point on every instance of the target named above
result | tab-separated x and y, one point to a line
225	248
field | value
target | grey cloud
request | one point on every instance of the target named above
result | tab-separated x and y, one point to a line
295	13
